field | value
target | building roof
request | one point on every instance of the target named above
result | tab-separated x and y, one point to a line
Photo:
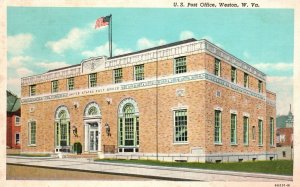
12	102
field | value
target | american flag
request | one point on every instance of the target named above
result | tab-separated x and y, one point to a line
101	22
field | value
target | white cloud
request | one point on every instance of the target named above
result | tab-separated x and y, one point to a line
280	66
14	85
144	43
186	35
283	87
18	61
52	65
17	44
23	72
104	50
75	39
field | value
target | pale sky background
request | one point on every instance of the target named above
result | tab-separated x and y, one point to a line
40	39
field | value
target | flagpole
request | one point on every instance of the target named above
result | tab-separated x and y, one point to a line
110	39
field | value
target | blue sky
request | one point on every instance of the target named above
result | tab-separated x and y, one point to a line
40	39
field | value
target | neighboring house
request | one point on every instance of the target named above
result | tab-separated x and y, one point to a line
13	121
188	101
284	137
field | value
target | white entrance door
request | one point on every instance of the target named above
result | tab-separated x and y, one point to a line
92	136
93	140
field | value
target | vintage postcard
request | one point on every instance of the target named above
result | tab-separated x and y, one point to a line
182	93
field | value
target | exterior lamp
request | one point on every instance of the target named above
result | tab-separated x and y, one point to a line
74	129
107	129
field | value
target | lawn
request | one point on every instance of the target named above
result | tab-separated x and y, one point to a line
279	167
31	155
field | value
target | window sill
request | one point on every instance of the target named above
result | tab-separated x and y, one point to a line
234	144
180	143
260	145
273	146
18	124
246	145
32	145
218	143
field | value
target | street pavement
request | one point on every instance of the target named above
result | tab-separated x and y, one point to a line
158	172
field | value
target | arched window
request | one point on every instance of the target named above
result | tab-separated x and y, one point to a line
62	128
92	110
128	126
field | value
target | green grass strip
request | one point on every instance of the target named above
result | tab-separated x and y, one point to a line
30	155
279	167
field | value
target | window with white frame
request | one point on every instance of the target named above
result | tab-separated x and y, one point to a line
246	130
233	129
129	127
32	133
260	86
32	90
253	133
118	75
139	72
17	139
260	132
233	74
54	86
70	83
180	126
92	80
217	67
218	126
180	65
246	80
17	120
271	131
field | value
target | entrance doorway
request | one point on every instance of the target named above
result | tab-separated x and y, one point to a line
93	137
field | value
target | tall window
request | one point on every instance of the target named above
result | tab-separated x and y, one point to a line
246	130
32	90
17	138
93	80
32	133
217	67
139	72
253	132
260	132
246	80
70	83
17	120
54	86
233	129
233	74
218	126
180	126
271	131
180	65
129	127
118	75
260	86
62	128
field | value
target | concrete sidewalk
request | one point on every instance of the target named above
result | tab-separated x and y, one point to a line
168	173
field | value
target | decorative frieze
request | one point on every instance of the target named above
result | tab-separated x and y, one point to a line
174	79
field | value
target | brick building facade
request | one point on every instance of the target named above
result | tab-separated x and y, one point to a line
188	100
